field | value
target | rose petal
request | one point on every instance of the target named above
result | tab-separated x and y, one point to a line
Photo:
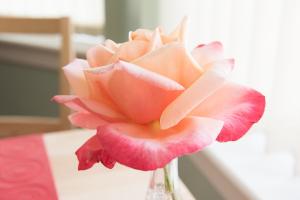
179	34
155	42
89	106
75	76
102	101
141	34
97	92
148	148
205	86
86	120
238	106
91	152
99	55
172	61
71	101
131	50
140	94
111	45
205	54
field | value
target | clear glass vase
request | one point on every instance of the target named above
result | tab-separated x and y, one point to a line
164	183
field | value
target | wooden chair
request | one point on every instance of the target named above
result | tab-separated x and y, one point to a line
14	125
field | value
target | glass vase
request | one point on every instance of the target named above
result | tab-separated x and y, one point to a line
164	183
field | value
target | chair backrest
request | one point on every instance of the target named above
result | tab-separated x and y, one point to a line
14	125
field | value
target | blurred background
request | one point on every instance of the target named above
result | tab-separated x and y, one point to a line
262	35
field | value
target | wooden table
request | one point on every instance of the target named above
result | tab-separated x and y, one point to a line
98	183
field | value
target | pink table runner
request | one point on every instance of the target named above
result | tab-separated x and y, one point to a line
25	172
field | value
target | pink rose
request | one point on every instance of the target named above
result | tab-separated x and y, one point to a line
151	100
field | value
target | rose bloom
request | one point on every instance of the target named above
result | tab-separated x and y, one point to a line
151	100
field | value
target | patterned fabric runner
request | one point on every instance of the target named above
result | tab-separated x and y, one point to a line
25	172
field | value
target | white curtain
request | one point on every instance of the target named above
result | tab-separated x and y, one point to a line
264	38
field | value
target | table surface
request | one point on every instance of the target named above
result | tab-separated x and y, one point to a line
98	182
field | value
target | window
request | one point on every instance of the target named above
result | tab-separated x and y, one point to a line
88	16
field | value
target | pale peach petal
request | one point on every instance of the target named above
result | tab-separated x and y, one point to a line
147	148
106	111
141	94
75	76
238	106
156	41
179	34
141	34
99	55
201	89
86	120
89	106
71	101
131	50
205	54
99	100
130	35
97	92
172	61
111	45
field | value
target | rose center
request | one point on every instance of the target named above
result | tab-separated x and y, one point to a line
155	125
